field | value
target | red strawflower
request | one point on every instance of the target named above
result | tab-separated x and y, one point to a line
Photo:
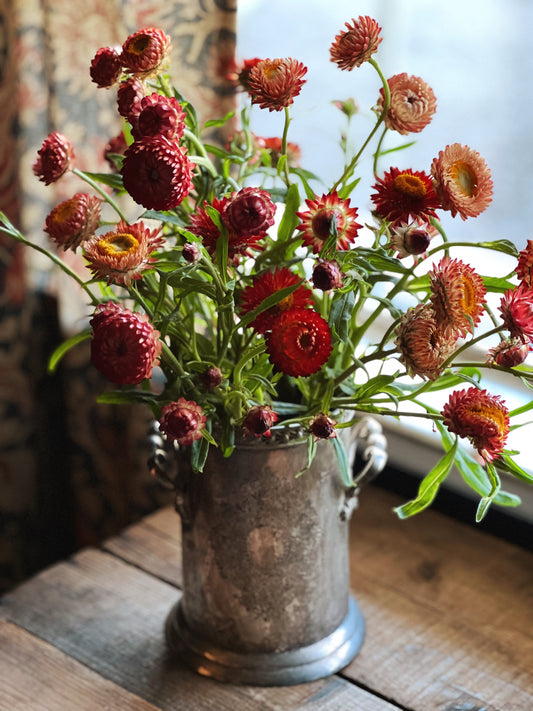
273	83
106	67
326	214
457	295
190	252
125	346
357	44
159	115
412	104
326	275
424	346
130	93
480	417
267	284
299	343
273	145
157	173
123	254
404	195
516	308
115	146
259	420
509	353
322	427
462	181
249	212
524	269
73	221
54	158
241	75
182	421
145	51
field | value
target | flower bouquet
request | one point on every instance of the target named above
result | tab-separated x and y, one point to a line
230	290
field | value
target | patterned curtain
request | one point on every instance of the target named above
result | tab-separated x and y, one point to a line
71	471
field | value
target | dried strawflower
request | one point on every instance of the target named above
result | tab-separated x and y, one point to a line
516	308
129	96
145	52
412	104
404	195
73	221
116	146
182	421
356	44
273	83
462	181
158	115
299	342
54	158
328	216
106	67
480	417
249	212
125	347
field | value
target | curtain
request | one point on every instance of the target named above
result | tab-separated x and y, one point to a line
73	472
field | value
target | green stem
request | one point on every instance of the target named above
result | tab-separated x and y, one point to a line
287	178
470	343
101	191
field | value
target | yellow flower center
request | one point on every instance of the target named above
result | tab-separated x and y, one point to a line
469	301
64	211
286	303
493	414
410	185
139	45
464	177
118	244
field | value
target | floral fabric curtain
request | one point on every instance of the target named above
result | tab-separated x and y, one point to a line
71	471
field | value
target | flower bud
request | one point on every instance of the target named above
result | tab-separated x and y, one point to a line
259	420
410	239
211	377
190	252
509	353
322	427
106	67
326	275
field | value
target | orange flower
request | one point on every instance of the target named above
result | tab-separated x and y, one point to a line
145	52
462	181
457	295
412	104
299	343
73	221
122	255
524	269
324	215
273	83
480	417
357	44
423	345
403	195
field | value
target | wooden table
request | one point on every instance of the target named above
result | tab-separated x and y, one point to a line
449	615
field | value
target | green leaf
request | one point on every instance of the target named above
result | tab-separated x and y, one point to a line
506	464
65	347
342	459
374	385
500	245
429	486
219	121
127	396
311	452
199	452
497	285
114	180
342	306
289	220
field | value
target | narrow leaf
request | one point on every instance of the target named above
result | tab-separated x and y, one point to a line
65	347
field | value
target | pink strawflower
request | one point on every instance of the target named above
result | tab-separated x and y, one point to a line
412	104
157	173
273	83
480	417
524	268
145	52
73	221
125	347
182	421
509	353
54	158
258	421
516	308
159	115
106	67
356	44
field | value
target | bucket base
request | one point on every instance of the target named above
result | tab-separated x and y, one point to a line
315	661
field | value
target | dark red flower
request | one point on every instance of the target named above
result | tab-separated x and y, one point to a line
159	116
73	221
273	83
326	275
249	212
509	353
190	252
115	146
106	67
326	214
157	173
145	51
322	427
125	346
403	195
54	158
299	342
267	284
130	93
524	268
259	420
182	421
211	377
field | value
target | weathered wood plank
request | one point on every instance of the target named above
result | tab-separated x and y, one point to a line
38	677
109	616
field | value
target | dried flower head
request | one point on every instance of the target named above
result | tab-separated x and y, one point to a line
123	254
125	347
328	216
182	421
258	421
299	342
356	44
73	221
509	353
480	417
524	269
457	295
462	181
157	173
404	195
273	83
159	115
106	67
145	52
266	285
322	427
54	158
424	346
516	308
412	104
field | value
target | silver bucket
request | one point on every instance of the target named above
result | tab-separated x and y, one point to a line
266	597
